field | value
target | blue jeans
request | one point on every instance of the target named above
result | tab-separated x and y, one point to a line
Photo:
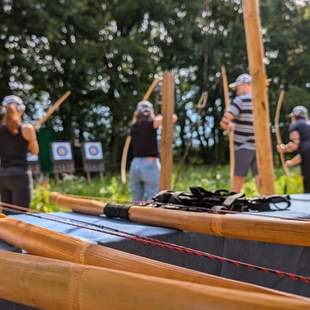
144	178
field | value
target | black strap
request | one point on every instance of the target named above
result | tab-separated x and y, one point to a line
199	199
115	210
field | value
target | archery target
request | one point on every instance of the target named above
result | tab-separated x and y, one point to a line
93	151
61	151
32	158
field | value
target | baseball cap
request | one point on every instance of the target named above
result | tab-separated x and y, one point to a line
145	106
241	79
299	111
12	99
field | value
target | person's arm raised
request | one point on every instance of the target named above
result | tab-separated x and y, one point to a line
29	134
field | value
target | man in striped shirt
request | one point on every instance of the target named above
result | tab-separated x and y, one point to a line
239	119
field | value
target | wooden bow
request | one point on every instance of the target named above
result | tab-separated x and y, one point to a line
238	226
203	101
52	109
230	134
128	138
277	129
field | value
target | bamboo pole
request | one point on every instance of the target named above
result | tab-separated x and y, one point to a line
52	284
230	133
166	152
128	138
44	242
277	129
255	51
247	227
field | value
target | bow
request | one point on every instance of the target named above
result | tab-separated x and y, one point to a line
230	134
258	229
52	109
277	129
128	138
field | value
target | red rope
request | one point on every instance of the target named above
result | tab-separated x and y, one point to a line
156	242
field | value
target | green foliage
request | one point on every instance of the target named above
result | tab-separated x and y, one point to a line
41	199
109	188
107	53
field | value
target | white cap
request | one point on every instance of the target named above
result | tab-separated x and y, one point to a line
14	100
300	111
145	106
241	79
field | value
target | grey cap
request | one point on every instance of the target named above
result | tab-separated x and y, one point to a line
241	79
145	106
300	111
12	99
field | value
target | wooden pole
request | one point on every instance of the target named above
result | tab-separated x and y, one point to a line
260	98
246	227
166	154
44	242
230	133
54	284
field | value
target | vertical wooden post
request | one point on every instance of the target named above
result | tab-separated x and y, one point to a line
230	134
166	155
260	97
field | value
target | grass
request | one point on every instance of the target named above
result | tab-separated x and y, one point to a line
110	188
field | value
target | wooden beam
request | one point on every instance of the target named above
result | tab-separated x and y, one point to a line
55	284
166	155
238	226
255	51
44	242
230	134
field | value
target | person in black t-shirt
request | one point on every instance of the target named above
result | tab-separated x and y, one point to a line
145	166
16	140
299	142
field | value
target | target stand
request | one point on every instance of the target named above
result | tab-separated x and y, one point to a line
62	159
92	159
34	164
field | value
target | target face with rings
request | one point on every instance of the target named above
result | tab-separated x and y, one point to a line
61	151
93	151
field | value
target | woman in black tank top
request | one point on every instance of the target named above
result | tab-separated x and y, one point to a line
16	140
145	166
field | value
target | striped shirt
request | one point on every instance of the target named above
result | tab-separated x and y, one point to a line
242	109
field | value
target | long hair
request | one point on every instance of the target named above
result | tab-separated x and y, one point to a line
12	119
138	117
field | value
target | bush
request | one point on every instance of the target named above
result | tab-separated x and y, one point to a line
110	188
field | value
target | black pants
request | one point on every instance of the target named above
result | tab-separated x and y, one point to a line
305	170
16	186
